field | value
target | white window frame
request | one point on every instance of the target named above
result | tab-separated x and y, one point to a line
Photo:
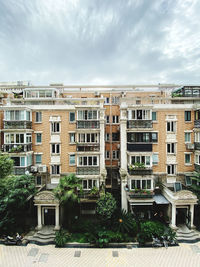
87	114
88	138
38	163
56	148
115	119
172	169
171	148
188	134
55	127
70	116
107	156
55	169
87	182
140	182
188	163
115	154
171	126
38	143
70	160
38	116
140	160
72	140
88	159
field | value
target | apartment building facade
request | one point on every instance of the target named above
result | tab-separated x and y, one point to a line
131	140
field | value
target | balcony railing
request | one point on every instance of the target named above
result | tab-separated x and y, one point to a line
86	170
139	124
139	147
140	193
21	170
87	125
17	148
140	171
17	124
87	147
87	195
197	124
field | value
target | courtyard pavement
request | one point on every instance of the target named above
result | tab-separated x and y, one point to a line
185	255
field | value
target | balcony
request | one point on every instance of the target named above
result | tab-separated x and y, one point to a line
86	170
88	196
140	171
139	124
17	125
87	147
197	124
197	146
17	148
18	170
140	193
139	147
87	125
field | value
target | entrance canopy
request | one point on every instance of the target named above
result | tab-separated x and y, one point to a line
45	198
160	199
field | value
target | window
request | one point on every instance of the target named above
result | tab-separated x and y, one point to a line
146	160
38	180
171	126
115	137
154	115
141	184
139	114
72	138
197	159
171	169
89	184
28	138
187	115
115	154
88	138
88	161
107	101
107	136
155	159
154	137
171	148
38	159
72	160
107	154
38	116
115	119
187	137
55	169
197	137
55	127
107	119
87	115
187	158
115	100
55	148
38	138
188	180
72	116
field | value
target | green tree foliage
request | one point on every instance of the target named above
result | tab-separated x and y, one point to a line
67	189
6	166
106	205
14	191
125	223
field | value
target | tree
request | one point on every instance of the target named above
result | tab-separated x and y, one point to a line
106	205
14	192
6	166
67	193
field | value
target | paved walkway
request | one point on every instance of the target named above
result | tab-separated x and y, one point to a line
186	255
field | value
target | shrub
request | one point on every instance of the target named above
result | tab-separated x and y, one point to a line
61	238
149	229
106	205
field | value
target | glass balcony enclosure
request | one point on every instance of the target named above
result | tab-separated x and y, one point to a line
17	119
40	93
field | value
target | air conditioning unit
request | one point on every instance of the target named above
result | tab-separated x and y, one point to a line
42	168
34	169
190	146
96	93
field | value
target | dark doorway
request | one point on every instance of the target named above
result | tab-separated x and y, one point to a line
49	216
181	214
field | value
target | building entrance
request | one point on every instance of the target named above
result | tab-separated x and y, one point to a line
181	215
49	216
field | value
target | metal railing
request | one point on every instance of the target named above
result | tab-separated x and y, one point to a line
139	124
17	148
17	124
140	171
87	125
86	170
88	147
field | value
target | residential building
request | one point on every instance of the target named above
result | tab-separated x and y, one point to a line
139	142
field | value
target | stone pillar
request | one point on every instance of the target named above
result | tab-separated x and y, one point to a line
57	226
173	219
39	215
192	215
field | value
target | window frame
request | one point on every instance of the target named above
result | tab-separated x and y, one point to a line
38	117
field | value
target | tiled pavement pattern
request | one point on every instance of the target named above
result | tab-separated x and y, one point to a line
186	255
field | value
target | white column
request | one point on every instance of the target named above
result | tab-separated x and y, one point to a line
173	220
124	203
57	226
192	215
39	215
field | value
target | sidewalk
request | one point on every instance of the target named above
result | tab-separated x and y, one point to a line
185	255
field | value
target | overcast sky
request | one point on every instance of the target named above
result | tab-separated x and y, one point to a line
100	41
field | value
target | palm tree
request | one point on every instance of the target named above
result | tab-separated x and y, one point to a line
67	193
67	189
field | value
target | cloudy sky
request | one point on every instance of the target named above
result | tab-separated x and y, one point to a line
100	41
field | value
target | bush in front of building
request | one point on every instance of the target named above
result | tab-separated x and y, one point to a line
106	206
62	237
149	229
